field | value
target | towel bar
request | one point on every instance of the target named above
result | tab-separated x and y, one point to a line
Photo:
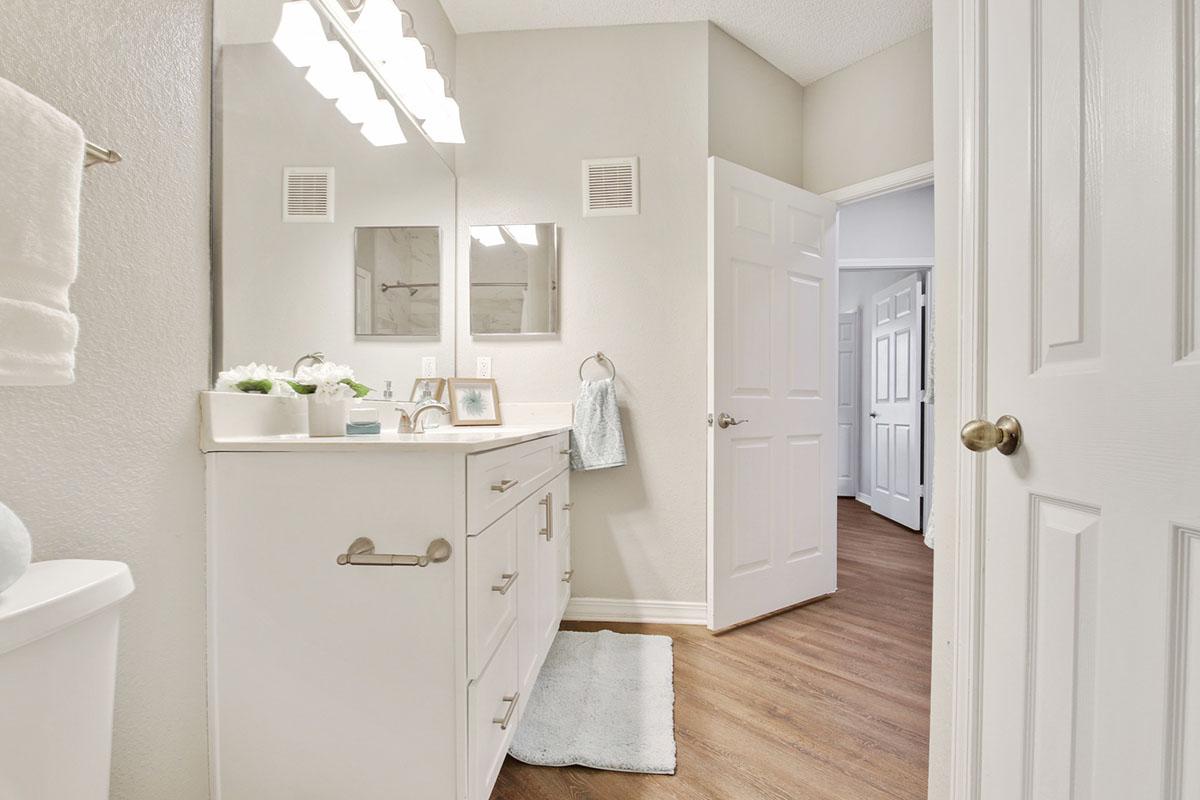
95	154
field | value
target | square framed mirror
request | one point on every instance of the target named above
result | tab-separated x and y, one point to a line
514	279
397	281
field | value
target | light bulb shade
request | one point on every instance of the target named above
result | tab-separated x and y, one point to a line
358	100
300	35
487	235
379	26
523	234
382	128
446	126
330	72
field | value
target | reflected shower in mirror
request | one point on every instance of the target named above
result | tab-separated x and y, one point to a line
514	279
397	288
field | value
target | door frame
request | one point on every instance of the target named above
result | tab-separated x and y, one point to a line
960	112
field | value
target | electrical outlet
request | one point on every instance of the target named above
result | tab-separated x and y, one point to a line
429	367
483	367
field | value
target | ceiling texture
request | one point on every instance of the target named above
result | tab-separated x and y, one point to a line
807	39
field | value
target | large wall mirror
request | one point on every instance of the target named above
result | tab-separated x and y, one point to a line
312	220
514	279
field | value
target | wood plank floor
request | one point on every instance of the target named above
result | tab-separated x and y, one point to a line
827	701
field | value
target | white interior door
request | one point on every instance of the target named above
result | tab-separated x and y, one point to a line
848	423
772	533
1090	667
897	345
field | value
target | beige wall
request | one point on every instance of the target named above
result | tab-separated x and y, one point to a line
870	118
109	467
537	103
755	112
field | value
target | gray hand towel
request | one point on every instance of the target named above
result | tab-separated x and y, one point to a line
596	439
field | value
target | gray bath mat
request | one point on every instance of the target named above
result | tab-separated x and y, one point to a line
603	700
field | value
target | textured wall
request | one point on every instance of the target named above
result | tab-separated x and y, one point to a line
754	110
870	118
535	104
109	467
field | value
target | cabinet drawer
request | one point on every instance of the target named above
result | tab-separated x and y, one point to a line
500	479
492	578
492	705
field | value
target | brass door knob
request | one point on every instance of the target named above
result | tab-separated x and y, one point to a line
1004	435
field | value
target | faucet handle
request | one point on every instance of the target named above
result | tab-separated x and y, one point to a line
406	423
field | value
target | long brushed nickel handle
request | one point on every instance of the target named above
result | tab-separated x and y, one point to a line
512	700
361	553
548	502
509	579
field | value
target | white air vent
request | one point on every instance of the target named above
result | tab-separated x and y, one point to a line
610	187
308	194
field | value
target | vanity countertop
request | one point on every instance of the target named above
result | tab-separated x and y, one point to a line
445	439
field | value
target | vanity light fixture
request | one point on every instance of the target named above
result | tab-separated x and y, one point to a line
381	127
300	35
358	100
330	72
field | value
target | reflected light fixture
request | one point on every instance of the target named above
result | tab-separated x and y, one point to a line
523	234
382	128
487	235
330	71
358	99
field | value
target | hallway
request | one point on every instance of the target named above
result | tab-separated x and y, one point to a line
825	702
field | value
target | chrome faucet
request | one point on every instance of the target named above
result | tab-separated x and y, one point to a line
308	358
418	424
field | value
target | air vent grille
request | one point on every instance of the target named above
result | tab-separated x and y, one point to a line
308	194
610	187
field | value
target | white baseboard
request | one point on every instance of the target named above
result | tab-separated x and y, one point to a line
863	498
602	609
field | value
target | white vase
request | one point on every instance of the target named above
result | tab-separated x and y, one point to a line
326	419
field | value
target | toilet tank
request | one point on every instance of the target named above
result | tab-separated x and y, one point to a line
58	659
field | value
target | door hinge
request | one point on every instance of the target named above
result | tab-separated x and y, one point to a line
710	420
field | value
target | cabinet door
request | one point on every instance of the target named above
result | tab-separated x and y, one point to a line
326	680
529	525
549	577
562	502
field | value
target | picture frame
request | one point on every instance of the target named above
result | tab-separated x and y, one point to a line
425	389
474	401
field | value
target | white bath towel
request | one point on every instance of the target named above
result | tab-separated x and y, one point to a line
41	150
596	438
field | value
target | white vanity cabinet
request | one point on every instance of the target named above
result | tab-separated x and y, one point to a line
365	682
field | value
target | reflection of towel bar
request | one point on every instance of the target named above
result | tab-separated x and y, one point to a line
361	553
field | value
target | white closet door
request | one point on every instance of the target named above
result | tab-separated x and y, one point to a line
897	345
848	423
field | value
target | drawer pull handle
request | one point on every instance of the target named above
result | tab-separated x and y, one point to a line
504	486
512	700
548	502
564	452
509	579
361	553
568	575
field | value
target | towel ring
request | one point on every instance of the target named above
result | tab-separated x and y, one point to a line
599	358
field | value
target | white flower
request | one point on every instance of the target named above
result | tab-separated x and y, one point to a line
327	377
228	380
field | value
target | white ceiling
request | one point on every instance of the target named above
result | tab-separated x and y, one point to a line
807	39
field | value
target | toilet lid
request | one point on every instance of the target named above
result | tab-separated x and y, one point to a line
54	594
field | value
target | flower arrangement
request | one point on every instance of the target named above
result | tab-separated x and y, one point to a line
255	379
327	382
